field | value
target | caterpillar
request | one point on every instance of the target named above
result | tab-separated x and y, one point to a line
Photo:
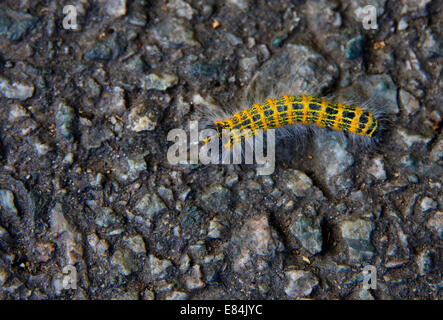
290	110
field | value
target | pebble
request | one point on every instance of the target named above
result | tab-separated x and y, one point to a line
263	52
135	165
409	102
135	64
113	101
5	241
185	263
357	235
160	268
7	201
177	295
430	46
300	283
428	204
4	275
16	90
255	238
172	33
402	24
241	4
354	48
123	260
14	25
436	223
193	280
44	251
99	246
64	121
142	119
150	205
216	198
213	71
425	262
297	182
153	81
216	228
17	112
115	8
322	24
247	67
309	233
334	163
92	88
377	169
231	179
437	151
191	216
182	9
108	48
68	239
135	243
106	217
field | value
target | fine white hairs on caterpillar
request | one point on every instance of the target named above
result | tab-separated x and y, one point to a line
293	114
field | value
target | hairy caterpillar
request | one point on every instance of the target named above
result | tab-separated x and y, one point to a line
290	110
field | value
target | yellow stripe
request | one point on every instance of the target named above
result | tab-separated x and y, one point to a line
239	119
375	127
236	136
289	105
262	115
322	112
368	124
276	116
338	117
242	127
230	123
305	102
355	122
252	125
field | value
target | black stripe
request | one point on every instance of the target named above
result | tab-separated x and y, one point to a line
348	114
331	110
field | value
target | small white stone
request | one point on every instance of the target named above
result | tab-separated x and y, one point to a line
193	281
140	119
41	148
377	169
402	24
428	204
436	223
300	283
115	8
16	90
182	8
408	101
135	243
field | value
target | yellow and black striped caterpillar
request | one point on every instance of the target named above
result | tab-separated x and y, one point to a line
290	110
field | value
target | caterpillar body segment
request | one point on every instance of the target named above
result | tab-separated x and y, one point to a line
290	110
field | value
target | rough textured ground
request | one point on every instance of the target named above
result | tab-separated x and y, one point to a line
85	182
